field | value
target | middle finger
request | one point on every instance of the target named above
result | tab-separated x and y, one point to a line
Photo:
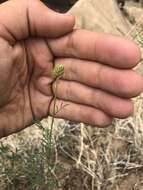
123	83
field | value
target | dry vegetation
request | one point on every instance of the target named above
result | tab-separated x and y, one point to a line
84	157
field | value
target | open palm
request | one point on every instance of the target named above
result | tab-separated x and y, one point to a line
97	84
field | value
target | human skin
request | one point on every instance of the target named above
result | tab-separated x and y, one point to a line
98	82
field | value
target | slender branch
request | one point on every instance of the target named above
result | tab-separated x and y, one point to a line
58	72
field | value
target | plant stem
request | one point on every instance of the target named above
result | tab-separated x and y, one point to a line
54	108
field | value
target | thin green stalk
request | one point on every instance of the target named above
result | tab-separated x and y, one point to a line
54	113
58	72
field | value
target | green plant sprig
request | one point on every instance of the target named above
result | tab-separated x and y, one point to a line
58	72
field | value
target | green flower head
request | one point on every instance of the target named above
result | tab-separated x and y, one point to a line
58	70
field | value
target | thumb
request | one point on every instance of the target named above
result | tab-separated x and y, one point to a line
21	19
46	22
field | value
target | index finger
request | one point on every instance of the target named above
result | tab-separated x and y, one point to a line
104	48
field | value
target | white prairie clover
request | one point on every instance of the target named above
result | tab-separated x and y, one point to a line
58	71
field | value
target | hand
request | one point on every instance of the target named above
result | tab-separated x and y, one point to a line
98	81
